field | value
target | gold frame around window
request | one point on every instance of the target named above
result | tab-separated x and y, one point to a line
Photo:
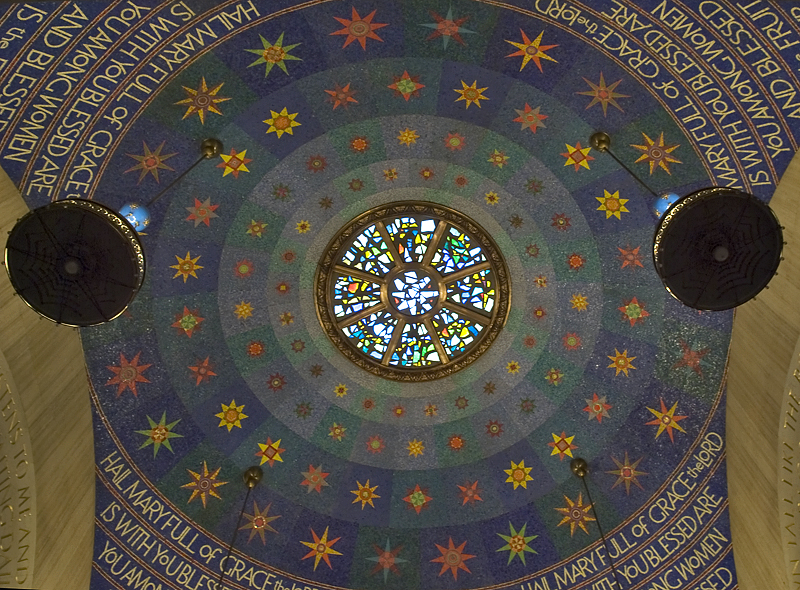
329	267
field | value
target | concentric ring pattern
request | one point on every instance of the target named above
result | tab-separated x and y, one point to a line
408	289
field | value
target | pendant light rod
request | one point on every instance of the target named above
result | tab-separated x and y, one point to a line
251	478
601	141
580	468
210	148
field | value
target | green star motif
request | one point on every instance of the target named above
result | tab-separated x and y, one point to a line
274	55
517	543
159	434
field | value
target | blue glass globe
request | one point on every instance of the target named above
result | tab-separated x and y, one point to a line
137	215
664	202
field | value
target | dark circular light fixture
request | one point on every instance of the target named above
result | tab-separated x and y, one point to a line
717	248
75	262
412	291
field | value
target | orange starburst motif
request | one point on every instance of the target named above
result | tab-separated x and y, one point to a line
231	415
456	442
188	322
417	499
364	494
341	95
633	311
575	261
531	50
259	522
243	269
657	153
470	493
454	141
375	444
186	267
630	257
554	377
471	94
270	452
691	358
234	163
562	445
621	362
202	371
243	310
577	156
666	420
204	485
494	428
497	159
128	374
571	341
576	514
605	95
406	86
321	548
360	29
150	162
282	122
426	173
276	382
256	228
452	558
597	407
561	222
530	118
626	473
202	100
359	145
314	478
519	475
612	204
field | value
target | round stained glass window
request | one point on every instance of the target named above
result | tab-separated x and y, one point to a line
412	291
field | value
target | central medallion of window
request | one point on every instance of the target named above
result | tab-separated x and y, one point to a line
412	291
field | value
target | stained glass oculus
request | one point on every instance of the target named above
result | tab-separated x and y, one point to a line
412	291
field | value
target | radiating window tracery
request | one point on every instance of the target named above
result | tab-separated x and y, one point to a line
413	291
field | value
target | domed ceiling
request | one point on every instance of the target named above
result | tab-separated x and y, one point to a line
408	288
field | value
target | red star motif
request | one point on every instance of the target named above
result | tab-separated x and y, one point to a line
359	28
452	558
128	374
691	358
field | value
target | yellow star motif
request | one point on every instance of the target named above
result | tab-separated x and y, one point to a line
603	94
231	415
234	163
562	445
282	122
202	100
579	302
186	267
576	514
243	310
415	448
364	494
340	390
204	485
577	156
270	452
666	420
519	475
657	153
497	158
408	136
321	548
471	94
612	204
531	50
621	362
